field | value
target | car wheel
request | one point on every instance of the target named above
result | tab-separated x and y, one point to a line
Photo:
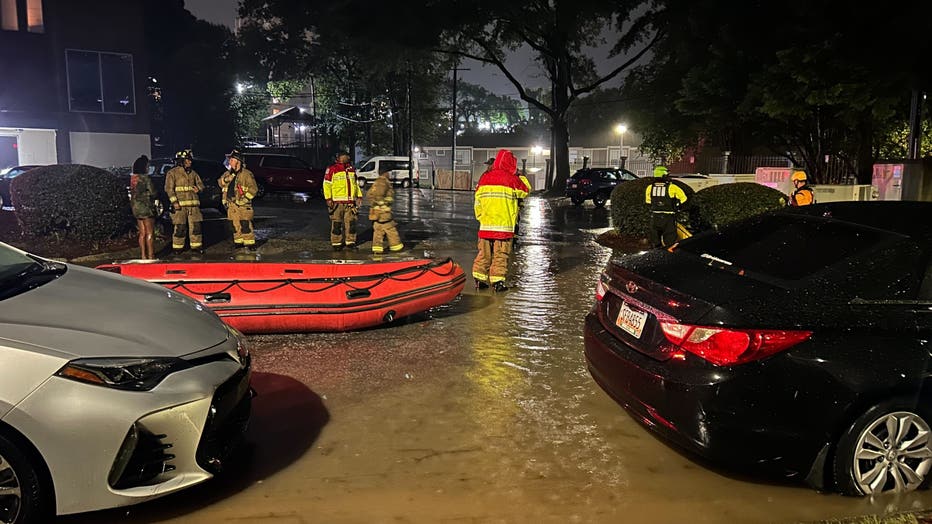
886	450
405	183
599	200
23	496
577	201
260	190
361	181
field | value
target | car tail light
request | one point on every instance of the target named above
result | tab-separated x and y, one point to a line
727	347
585	182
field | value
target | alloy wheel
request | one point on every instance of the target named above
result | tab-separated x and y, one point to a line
892	454
10	493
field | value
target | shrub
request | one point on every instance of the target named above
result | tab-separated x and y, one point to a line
631	215
726	203
80	201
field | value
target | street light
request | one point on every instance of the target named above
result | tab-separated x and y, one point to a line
621	129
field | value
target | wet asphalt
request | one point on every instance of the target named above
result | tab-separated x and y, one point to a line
478	411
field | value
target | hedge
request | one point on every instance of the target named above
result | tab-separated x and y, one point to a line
726	203
711	207
77	201
631	215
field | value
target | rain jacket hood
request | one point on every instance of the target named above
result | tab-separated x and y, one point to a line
505	161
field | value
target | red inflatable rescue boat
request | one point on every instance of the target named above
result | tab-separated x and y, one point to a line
266	297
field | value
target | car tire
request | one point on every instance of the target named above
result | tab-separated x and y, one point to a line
868	461
405	183
18	471
260	190
362	182
577	201
599	200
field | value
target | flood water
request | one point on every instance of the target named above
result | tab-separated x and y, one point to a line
481	411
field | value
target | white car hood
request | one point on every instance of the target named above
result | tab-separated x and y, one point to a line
92	313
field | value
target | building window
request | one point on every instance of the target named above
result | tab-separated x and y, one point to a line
100	82
34	16
8	16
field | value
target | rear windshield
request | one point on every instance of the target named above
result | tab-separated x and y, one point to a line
785	246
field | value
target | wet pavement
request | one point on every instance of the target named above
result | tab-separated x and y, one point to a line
479	411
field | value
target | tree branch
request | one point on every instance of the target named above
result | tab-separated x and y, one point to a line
575	93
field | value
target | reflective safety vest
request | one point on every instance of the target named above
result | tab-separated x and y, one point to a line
496	204
340	184
803	196
182	187
663	196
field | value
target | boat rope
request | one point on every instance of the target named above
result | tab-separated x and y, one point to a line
406	274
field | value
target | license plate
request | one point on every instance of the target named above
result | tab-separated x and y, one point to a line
631	320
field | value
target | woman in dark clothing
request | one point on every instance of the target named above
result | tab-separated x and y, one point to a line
143	204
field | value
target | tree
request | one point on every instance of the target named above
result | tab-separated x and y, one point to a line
368	86
192	62
807	79
560	33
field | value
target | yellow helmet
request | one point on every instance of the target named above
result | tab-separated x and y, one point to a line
660	171
798	175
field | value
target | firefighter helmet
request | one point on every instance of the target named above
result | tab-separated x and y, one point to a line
660	171
186	154
798	176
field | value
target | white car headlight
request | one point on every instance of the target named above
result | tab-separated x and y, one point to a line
133	374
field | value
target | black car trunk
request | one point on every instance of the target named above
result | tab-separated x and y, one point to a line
643	290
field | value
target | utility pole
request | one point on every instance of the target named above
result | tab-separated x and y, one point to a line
914	149
453	151
410	144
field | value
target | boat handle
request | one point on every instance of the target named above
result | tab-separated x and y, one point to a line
358	293
215	298
175	272
295	271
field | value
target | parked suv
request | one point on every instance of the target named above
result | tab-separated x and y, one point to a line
595	183
284	173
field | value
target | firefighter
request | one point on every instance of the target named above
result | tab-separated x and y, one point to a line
380	197
496	208
803	194
238	188
664	197
182	184
343	196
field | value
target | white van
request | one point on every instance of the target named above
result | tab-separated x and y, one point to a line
398	165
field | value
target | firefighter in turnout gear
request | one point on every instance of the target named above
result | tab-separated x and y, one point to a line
238	187
182	184
380	197
343	196
803	194
496	208
664	197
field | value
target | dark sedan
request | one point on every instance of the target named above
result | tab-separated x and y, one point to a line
794	344
595	184
6	179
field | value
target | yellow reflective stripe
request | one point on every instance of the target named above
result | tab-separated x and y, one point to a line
173	199
501	228
248	242
195	246
496	279
480	276
249	195
399	247
186	203
377	249
185	188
